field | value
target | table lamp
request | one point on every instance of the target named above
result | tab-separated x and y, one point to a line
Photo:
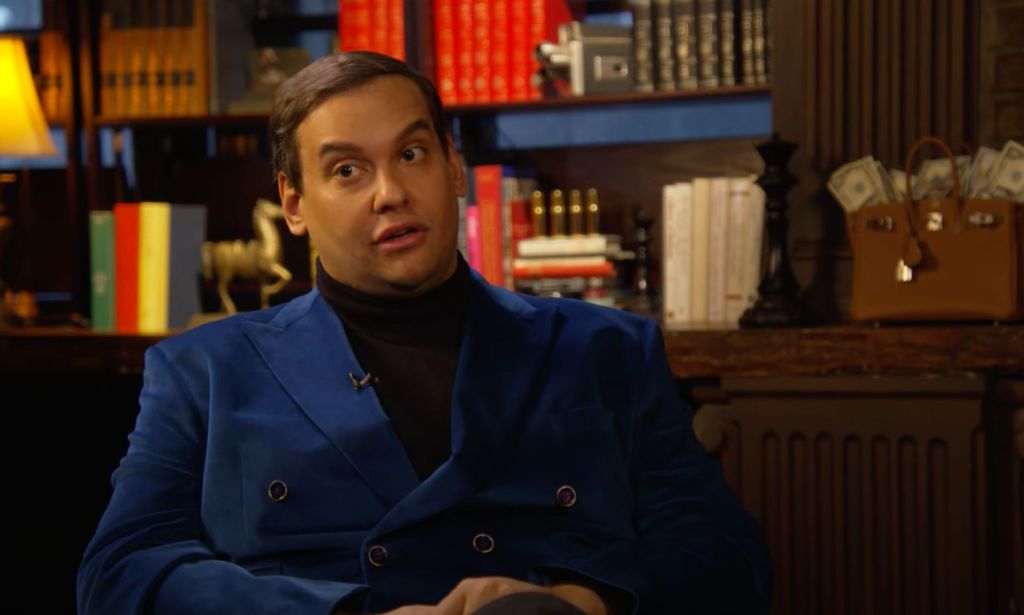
23	130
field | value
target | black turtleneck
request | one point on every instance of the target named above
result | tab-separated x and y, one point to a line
412	346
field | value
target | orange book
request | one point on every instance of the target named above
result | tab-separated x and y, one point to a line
126	267
545	17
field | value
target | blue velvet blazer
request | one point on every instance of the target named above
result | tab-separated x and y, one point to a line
258	480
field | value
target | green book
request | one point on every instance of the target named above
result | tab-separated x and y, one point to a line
101	269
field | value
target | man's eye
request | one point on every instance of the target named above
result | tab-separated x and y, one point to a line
346	170
412	154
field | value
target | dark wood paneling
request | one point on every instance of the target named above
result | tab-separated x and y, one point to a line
866	499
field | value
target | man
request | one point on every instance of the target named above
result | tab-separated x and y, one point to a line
405	436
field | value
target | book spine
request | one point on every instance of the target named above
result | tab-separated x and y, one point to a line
154	248
500	51
378	26
760	47
482	51
488	195
396	29
747	43
101	269
643	46
735	293
464	50
684	23
727	30
701	249
446	73
708	47
603	270
718	227
187	228
126	267
664	49
520	53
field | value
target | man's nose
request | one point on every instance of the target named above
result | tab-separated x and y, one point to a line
391	191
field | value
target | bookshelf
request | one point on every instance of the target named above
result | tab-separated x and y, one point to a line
756	388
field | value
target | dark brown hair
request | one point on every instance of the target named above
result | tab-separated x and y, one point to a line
307	89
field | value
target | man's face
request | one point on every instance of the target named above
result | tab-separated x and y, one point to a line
379	195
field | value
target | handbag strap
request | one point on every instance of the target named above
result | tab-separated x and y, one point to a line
910	207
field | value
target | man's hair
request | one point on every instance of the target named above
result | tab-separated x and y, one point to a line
307	89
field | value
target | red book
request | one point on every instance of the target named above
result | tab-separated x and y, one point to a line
358	12
481	51
379	26
526	270
444	51
126	267
520	54
396	29
488	198
464	50
500	50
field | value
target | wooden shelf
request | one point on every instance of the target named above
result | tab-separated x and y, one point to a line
62	350
563	105
846	350
633	98
693	353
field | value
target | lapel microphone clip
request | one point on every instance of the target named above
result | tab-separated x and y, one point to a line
368	380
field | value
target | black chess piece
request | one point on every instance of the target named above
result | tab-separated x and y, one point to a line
776	304
643	300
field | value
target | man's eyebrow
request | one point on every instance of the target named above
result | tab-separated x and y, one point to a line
342	147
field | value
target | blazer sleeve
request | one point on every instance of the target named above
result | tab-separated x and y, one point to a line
148	554
696	550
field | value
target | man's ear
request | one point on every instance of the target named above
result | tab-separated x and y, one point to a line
455	168
291	202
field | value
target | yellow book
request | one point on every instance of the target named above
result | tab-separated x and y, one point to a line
154	265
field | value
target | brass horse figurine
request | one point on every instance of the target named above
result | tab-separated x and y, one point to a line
257	259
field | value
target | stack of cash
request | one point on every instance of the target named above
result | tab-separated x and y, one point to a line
992	174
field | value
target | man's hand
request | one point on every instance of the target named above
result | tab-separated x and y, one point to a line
471	594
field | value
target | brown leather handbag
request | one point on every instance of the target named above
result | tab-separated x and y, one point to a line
937	258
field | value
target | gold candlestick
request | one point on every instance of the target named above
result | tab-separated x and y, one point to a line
593	212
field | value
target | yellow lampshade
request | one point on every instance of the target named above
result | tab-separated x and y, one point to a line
23	129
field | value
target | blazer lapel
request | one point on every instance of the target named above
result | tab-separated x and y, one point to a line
504	348
306	348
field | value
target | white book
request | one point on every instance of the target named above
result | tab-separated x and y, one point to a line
753	268
736	291
718	222
700	253
677	221
569	246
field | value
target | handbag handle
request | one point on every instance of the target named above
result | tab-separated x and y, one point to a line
909	206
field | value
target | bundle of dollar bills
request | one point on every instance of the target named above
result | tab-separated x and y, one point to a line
992	174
